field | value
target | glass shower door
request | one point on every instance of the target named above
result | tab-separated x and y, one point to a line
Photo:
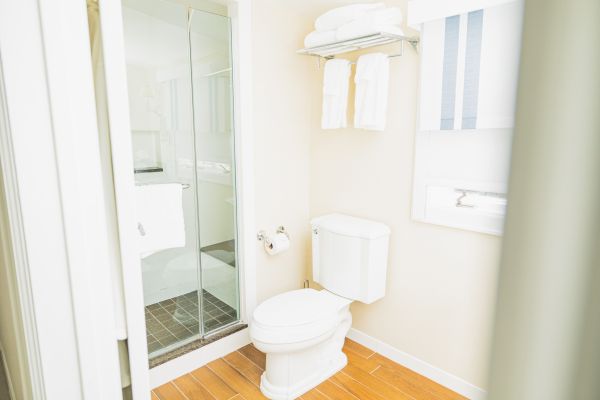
180	97
160	93
211	65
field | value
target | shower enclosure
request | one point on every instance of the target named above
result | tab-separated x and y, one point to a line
179	70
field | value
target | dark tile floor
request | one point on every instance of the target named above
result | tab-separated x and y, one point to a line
177	319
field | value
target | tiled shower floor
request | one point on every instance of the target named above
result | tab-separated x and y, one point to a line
177	319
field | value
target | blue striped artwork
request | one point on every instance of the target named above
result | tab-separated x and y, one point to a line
472	68
449	74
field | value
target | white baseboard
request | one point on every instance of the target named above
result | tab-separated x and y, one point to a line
173	369
188	362
444	378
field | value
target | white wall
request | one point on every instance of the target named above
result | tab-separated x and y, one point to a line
441	281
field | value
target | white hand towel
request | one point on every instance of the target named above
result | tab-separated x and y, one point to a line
387	20
318	38
336	78
160	217
337	17
371	98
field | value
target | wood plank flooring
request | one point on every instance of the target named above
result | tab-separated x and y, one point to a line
368	376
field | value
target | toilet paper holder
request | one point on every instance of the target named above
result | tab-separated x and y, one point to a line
262	235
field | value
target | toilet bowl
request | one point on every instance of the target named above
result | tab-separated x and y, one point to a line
302	332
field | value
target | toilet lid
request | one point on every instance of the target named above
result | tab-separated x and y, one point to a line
298	307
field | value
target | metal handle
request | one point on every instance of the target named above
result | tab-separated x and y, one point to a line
459	202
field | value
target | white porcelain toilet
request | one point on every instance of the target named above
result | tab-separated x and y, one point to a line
302	331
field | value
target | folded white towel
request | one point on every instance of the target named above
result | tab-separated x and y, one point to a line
387	20
383	16
336	78
337	17
318	38
371	98
160	217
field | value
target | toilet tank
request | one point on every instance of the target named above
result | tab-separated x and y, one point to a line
350	256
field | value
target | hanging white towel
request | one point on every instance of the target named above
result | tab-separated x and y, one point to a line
371	98
336	78
160	217
337	17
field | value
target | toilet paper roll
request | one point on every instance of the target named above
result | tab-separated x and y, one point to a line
277	243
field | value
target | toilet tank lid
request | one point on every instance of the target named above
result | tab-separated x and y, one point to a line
351	226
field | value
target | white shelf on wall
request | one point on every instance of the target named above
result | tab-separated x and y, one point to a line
345	46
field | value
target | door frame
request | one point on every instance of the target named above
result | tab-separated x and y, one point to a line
240	12
52	182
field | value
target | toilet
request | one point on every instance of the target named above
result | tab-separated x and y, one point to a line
302	331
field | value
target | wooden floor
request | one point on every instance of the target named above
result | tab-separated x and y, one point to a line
368	376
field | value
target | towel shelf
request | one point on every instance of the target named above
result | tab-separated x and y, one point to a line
331	49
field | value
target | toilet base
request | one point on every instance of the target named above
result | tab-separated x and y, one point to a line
289	374
289	393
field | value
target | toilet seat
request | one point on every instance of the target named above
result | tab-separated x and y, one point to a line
297	316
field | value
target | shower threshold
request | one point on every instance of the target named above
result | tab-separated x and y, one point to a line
194	343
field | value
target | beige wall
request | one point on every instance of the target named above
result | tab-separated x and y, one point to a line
282	140
441	281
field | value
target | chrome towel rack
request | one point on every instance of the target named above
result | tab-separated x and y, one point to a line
330	50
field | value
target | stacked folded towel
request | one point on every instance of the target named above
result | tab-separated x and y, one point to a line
354	21
339	16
